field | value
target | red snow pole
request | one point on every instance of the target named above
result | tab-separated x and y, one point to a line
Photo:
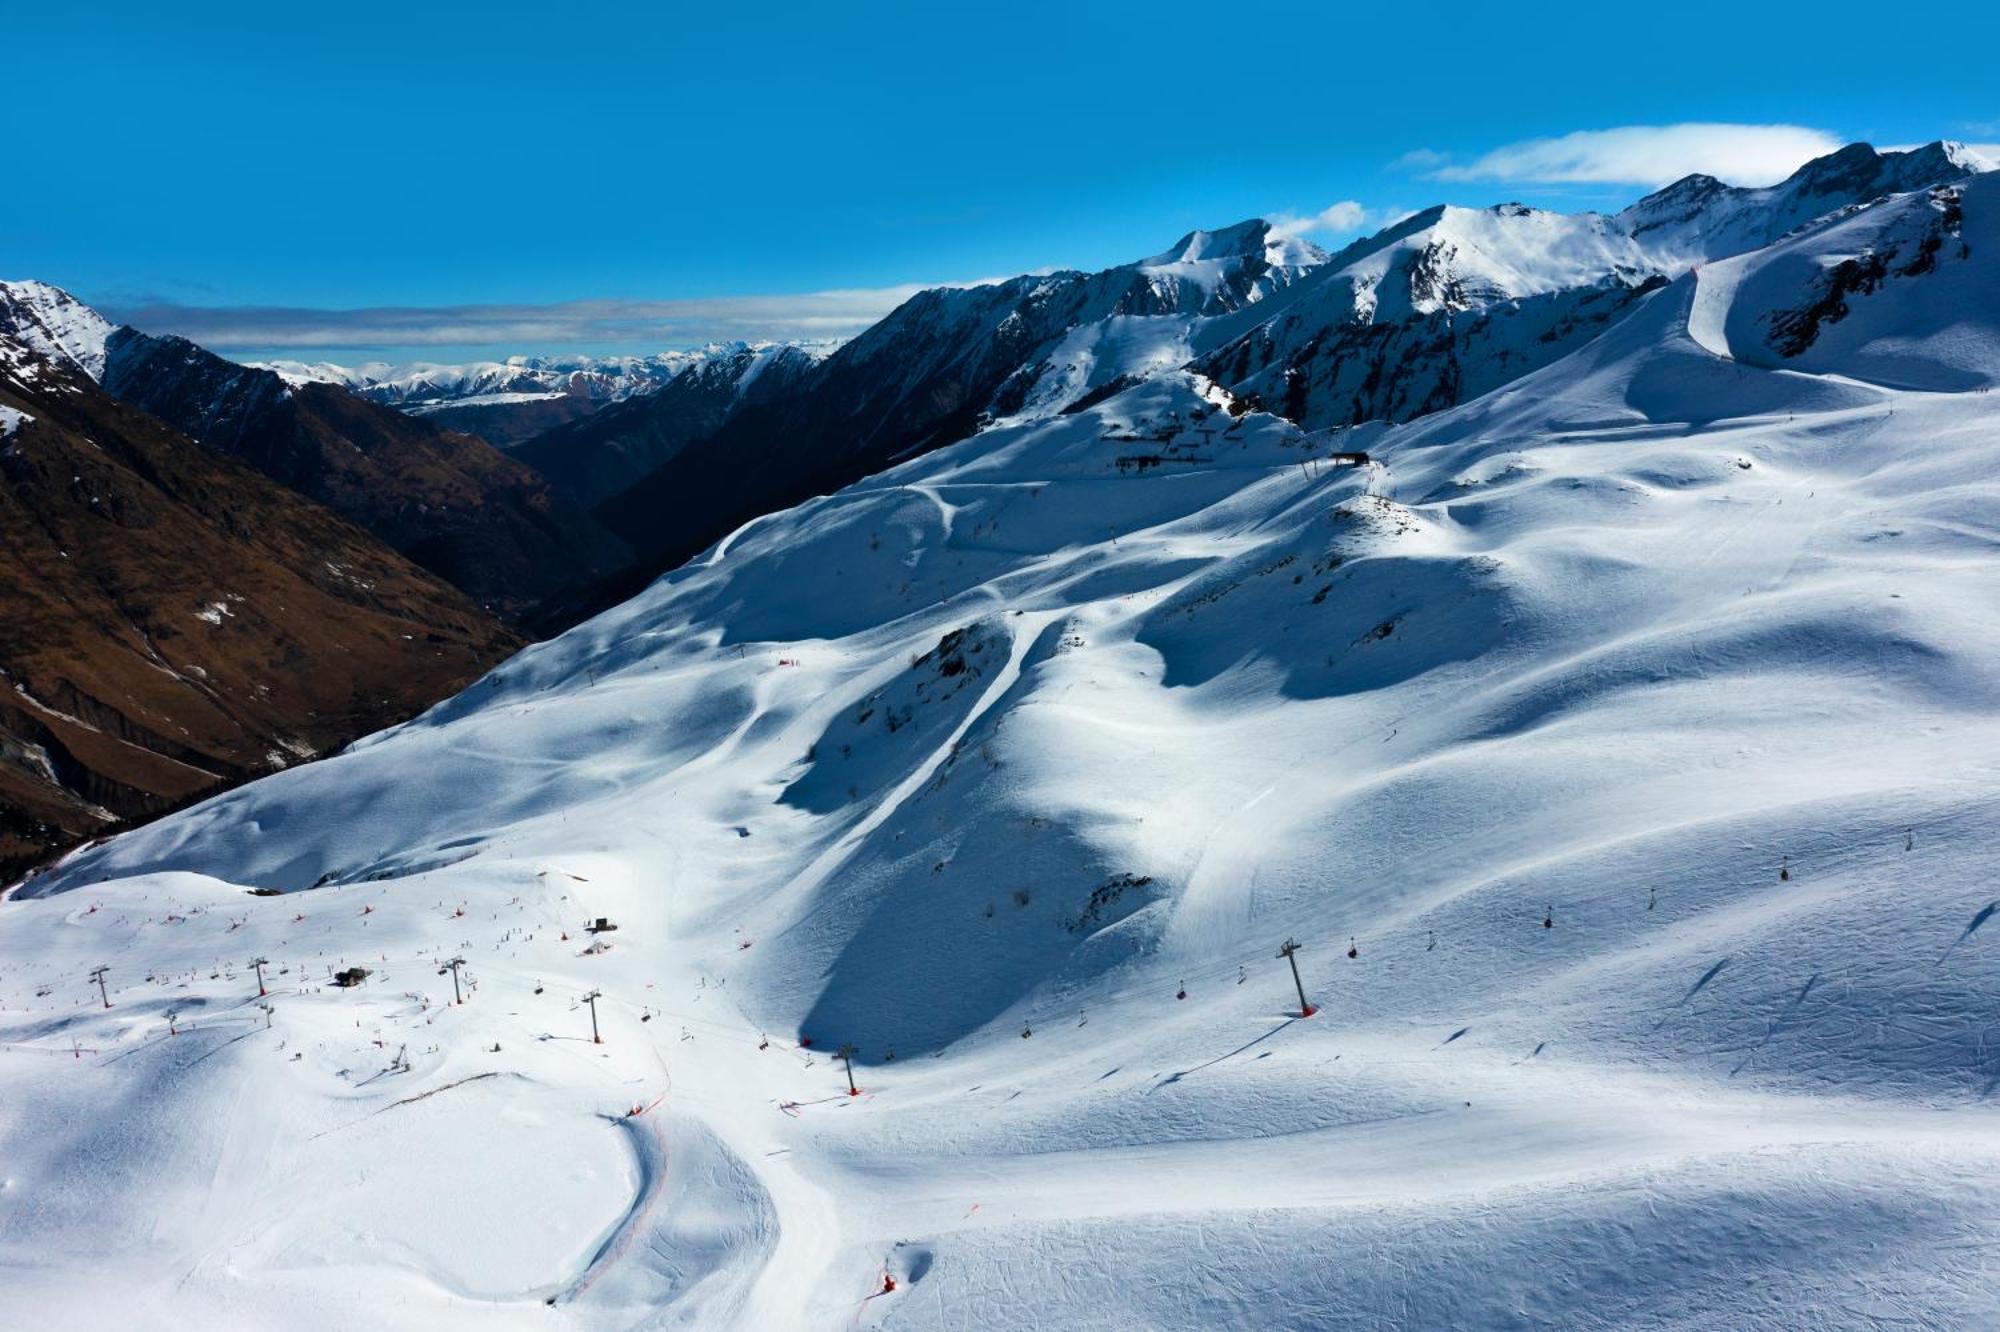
1290	952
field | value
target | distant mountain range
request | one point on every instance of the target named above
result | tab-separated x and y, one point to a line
508	401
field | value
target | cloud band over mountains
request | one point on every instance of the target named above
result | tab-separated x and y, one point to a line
819	314
1640	154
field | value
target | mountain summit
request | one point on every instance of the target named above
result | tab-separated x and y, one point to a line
43	324
1255	239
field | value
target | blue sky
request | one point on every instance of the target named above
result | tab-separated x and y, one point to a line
498	177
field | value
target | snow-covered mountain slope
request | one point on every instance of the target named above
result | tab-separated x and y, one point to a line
1618	746
44	325
1699	218
1041	342
1453	302
1861	297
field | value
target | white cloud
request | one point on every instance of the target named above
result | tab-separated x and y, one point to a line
1336	219
1347	215
1645	155
1420	159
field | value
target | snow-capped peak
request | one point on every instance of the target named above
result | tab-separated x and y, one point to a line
1972	160
52	324
1242	241
1252	239
1698	218
296	373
